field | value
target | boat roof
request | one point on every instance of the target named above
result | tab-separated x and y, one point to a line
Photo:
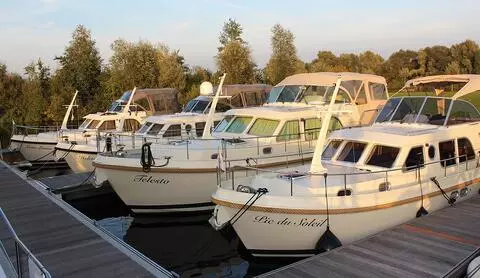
278	111
327	78
141	93
234	89
472	80
390	134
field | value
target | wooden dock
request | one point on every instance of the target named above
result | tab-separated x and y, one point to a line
437	245
65	241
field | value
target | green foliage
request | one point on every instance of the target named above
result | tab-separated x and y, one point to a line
234	56
284	61
81	65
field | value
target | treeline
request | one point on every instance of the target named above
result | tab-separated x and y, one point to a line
39	95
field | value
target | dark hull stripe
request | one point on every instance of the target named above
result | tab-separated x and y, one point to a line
75	151
34	143
180	206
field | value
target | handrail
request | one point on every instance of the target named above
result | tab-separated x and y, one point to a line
19	243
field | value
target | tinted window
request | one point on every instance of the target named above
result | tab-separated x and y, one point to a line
331	149
130	125
388	110
236	101
414	158
173	131
408	110
378	91
290	131
465	150
351	152
263	127
223	124
155	129
447	153
383	156
199	128
84	124
144	127
239	124
93	124
222	107
312	128
434	111
107	125
462	112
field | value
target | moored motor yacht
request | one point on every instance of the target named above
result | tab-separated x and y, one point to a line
180	175
421	154
187	124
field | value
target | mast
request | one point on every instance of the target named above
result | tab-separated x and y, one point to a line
67	114
317	166
208	124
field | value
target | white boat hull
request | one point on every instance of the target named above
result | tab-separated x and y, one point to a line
78	161
34	149
158	192
285	231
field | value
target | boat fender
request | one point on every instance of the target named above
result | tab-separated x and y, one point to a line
246	189
108	143
327	242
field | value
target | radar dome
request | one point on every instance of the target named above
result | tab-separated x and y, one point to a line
206	88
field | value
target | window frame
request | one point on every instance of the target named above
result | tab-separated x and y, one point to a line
443	162
345	145
266	119
298	136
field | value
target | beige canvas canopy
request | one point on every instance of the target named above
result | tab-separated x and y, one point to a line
161	101
231	90
472	80
328	78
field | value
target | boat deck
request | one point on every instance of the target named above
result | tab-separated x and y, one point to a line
66	242
437	245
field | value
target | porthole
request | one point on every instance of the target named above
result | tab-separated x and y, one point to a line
188	128
431	152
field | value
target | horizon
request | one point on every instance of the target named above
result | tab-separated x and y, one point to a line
43	28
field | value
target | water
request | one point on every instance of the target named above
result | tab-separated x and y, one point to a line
187	245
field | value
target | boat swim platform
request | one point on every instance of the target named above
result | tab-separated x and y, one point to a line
66	242
440	244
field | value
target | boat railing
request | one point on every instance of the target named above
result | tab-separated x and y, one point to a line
34	130
293	144
26	264
227	175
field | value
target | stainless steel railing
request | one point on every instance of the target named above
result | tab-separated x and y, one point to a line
21	247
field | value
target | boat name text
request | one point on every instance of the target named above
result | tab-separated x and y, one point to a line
285	221
150	179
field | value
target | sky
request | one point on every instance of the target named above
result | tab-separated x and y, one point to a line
32	29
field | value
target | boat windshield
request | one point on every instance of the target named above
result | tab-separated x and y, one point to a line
239	124
196	106
93	124
223	124
117	106
84	124
299	93
145	127
428	110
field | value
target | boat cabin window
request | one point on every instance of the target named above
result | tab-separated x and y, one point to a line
312	128
383	156
130	125
284	94
144	127
173	131
408	109
331	149
342	96
290	131
313	94
415	158
465	150
236	101
221	107
223	124
93	124
378	91
388	110
447	153
196	106
107	125
155	129
199	127
84	124
361	96
434	111
351	152
239	124
254	98
263	127
462	112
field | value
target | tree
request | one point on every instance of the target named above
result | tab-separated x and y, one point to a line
35	92
464	53
81	65
325	61
370	62
234	56
284	60
453	68
232	31
171	68
399	67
